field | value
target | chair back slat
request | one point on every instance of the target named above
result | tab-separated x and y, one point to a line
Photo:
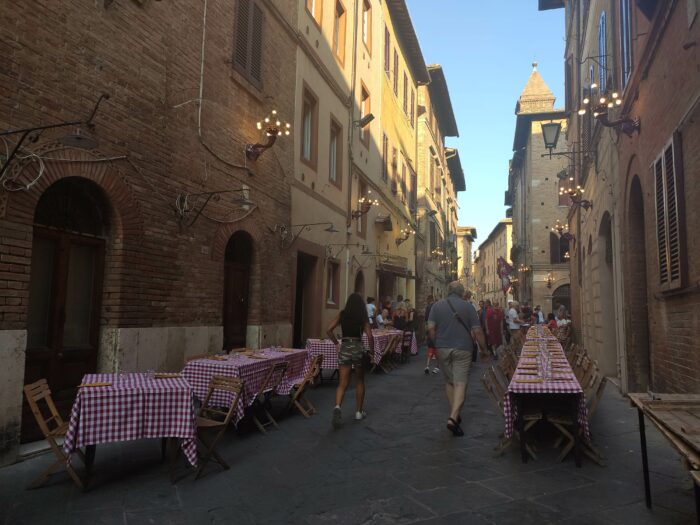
40	391
230	385
274	377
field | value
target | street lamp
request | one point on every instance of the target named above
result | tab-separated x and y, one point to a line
550	134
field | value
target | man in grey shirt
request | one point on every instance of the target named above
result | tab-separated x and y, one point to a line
453	325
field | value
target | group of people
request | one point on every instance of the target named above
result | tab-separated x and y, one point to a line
398	314
455	329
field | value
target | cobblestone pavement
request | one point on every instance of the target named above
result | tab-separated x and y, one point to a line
400	465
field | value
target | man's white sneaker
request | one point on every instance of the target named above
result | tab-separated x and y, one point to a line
436	370
360	415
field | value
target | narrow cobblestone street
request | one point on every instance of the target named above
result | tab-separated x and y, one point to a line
400	465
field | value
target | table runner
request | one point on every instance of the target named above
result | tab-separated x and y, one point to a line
251	370
529	377
134	406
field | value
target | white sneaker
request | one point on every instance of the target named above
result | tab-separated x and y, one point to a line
360	415
436	370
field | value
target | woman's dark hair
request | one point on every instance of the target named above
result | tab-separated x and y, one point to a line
355	309
550	317
370	300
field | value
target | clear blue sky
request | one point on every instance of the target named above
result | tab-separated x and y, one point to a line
486	49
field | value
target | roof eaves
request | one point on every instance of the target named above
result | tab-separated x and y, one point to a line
409	41
440	99
455	167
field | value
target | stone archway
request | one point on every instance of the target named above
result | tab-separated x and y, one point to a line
636	310
607	359
71	226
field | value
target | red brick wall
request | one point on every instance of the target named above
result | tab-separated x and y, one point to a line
662	98
56	58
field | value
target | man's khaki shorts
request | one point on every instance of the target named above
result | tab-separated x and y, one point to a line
455	364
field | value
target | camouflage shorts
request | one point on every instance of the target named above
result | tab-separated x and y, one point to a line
351	352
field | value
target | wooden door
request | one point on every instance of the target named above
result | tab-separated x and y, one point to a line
236	281
65	294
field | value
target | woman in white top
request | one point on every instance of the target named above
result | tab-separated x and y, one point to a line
381	322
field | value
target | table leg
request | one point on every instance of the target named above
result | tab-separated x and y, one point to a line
645	460
90	451
520	424
576	430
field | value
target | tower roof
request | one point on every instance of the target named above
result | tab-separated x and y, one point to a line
536	96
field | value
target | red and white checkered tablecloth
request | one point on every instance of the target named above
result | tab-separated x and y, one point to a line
135	406
251	370
329	350
525	382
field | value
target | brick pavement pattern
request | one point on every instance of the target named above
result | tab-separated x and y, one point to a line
400	465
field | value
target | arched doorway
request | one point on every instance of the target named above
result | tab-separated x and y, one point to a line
561	296
607	343
360	284
636	311
71	223
237	259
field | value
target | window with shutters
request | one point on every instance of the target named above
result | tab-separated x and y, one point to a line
405	93
335	154
339	22
333	284
365	109
394	170
387	51
367	25
396	73
667	172
413	108
248	41
315	9
433	239
385	158
309	129
625	41
403	182
602	54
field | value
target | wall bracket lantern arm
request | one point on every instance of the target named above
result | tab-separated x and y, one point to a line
25	132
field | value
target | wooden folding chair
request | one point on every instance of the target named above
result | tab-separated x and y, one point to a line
267	389
497	393
406	340
298	398
385	359
213	418
52	428
564	423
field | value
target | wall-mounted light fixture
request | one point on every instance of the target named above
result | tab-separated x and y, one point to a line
549	279
369	117
273	127
563	231
550	134
405	235
364	204
73	140
575	193
290	234
600	104
186	203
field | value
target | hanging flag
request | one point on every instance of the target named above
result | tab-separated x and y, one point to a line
504	270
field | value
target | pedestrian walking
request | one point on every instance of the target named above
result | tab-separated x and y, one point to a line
453	325
432	353
353	322
494	323
514	322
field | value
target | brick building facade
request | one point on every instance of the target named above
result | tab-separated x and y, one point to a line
643	214
109	259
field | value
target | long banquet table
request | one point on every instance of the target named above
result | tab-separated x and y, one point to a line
252	369
328	349
125	407
543	373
